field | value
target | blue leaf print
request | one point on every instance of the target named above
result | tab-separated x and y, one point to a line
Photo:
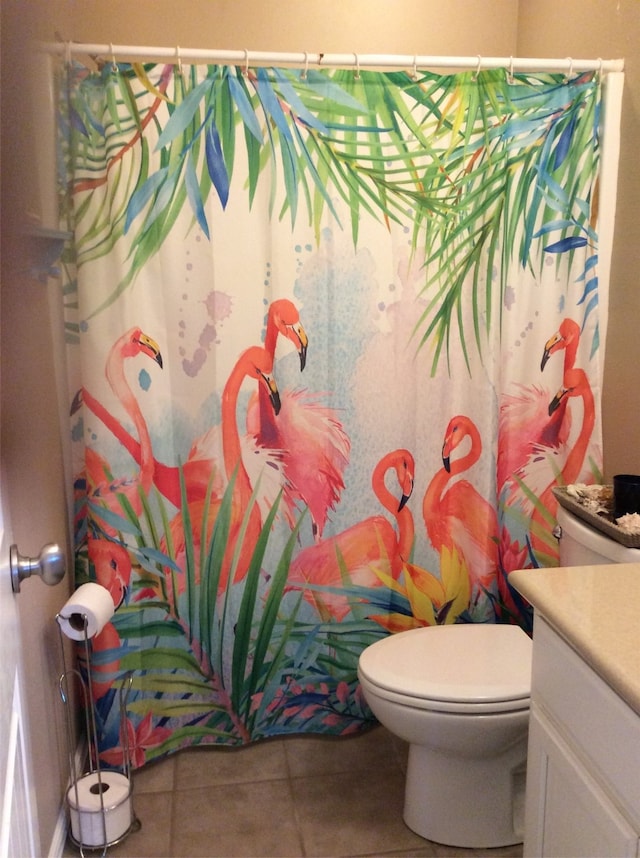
75	120
593	303
244	106
569	243
215	164
193	193
554	194
296	104
183	114
551	225
550	101
564	143
165	192
584	207
589	264
590	286
149	557
325	88
112	519
142	196
271	104
527	130
595	345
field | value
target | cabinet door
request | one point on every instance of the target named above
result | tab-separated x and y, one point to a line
567	812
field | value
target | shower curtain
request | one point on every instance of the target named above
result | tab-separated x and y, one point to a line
334	336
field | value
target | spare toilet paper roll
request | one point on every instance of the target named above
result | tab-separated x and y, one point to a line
91	600
87	825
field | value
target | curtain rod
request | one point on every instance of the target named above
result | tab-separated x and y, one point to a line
304	58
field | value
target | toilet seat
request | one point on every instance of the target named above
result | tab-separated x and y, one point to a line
466	668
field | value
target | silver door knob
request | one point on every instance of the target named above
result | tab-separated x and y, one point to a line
49	565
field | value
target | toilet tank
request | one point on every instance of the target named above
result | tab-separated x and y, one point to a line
582	545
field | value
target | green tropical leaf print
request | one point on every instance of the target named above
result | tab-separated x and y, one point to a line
477	162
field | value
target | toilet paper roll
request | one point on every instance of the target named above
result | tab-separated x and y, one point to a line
85	808
91	600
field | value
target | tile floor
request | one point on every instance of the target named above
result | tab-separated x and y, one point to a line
299	796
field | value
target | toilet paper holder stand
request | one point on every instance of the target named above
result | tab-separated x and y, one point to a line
86	689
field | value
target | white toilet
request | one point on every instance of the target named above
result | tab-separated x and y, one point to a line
460	696
581	545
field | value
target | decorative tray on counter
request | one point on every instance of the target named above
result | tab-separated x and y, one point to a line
602	521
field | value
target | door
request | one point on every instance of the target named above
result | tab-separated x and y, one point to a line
18	828
34	458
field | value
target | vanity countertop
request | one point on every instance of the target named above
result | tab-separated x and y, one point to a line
596	609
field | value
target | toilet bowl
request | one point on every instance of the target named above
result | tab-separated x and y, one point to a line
459	695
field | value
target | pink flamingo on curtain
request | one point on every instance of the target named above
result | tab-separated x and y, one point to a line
254	363
130	344
197	471
261	445
111	561
568	338
313	445
306	455
360	549
525	426
575	385
458	517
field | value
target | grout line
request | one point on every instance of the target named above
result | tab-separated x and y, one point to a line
428	850
172	817
296	818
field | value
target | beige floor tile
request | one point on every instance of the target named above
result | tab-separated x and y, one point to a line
155	777
348	814
503	852
236	821
297	796
210	766
153	839
425	851
441	851
308	756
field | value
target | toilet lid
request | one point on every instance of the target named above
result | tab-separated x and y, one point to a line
465	663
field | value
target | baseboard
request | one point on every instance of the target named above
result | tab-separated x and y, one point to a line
59	839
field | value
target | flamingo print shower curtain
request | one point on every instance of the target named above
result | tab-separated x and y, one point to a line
333	338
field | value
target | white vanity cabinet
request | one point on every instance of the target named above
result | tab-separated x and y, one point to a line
583	769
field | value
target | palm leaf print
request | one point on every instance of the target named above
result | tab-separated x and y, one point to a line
476	163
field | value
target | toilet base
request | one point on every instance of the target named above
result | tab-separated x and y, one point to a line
464	801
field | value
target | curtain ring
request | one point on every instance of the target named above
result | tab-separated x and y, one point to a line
179	60
114	64
569	73
511	70
600	67
305	70
478	67
357	74
414	73
67	54
246	63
